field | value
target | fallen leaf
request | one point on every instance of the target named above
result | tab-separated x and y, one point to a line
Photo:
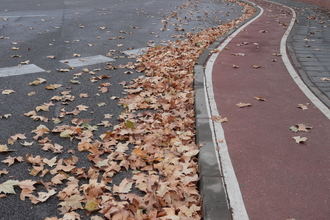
8	186
300	127
3	172
91	205
101	104
4	148
11	160
219	119
7	91
27	144
260	98
43	196
27	187
325	78
300	140
302	106
38	81
53	86
124	187
256	66
14	138
243	105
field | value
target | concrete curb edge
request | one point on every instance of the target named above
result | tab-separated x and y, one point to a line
215	203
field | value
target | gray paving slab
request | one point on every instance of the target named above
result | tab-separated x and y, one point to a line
309	46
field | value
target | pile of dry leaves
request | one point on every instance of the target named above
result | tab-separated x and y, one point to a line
155	141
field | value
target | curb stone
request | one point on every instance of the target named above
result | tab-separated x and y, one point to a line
215	204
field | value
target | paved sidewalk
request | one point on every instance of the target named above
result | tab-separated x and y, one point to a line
309	46
278	178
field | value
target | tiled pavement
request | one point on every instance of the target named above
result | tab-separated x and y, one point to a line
309	47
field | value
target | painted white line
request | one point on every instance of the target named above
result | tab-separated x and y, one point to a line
21	16
295	76
20	70
85	61
135	52
232	187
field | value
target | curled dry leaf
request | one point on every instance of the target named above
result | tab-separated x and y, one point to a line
300	140
219	119
53	86
38	81
300	127
259	98
243	105
7	91
302	106
7	187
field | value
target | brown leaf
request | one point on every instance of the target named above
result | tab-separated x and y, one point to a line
300	140
38	81
302	106
124	187
53	86
243	105
260	98
219	119
7	91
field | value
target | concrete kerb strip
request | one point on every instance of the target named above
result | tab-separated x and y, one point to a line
213	188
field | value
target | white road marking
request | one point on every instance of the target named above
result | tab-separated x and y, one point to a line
295	76
135	52
85	61
21	16
234	194
20	70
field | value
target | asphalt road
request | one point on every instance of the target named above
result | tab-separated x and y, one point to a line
62	28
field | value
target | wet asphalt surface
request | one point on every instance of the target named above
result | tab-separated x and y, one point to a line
41	28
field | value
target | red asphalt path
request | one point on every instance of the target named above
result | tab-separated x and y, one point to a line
278	178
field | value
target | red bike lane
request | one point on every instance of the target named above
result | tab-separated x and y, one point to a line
278	178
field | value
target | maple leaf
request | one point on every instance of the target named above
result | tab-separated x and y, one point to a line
14	138
38	81
27	144
42	196
63	70
3	172
44	107
82	107
53	86
71	216
219	119
83	95
11	160
27	188
325	78
260	98
243	105
302	106
50	162
300	127
4	148
7	91
40	131
71	203
124	187
8	186
91	205
300	140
